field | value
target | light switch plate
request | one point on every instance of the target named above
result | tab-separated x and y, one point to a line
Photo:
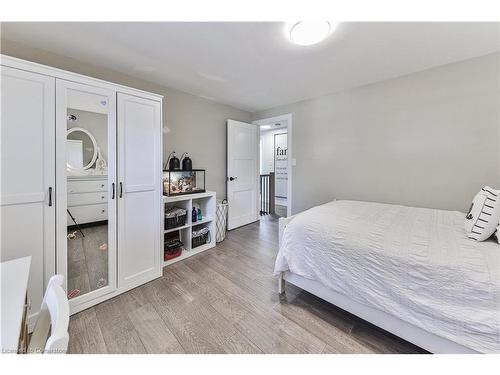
294	162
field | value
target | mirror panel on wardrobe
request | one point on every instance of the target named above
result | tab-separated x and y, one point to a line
90	194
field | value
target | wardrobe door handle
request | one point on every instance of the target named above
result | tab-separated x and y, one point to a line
113	190
50	196
121	190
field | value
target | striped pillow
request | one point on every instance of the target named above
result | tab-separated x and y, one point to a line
482	219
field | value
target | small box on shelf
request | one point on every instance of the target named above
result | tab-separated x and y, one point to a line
175	217
200	236
173	244
172	249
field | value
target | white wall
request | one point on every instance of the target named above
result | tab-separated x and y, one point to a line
267	157
429	139
268	163
196	125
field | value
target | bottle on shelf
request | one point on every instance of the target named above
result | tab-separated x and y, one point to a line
200	217
194	215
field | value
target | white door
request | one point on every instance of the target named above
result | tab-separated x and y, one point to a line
28	175
139	190
86	249
242	173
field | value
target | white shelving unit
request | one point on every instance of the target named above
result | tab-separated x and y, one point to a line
205	201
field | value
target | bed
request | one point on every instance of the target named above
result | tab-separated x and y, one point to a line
410	271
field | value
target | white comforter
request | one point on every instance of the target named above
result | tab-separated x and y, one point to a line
413	263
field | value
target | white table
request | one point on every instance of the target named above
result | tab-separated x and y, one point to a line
14	276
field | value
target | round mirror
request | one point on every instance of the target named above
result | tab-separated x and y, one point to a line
81	149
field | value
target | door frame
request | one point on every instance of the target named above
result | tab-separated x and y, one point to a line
288	118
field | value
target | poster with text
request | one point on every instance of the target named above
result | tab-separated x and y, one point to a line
281	164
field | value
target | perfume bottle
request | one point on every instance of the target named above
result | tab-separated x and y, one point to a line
199	214
194	215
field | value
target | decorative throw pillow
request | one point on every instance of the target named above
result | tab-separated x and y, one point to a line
483	217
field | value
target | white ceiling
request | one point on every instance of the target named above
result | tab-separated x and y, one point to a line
273	126
253	66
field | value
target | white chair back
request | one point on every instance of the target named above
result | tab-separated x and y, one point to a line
54	318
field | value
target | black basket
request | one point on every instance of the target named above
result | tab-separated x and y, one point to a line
175	221
202	239
172	249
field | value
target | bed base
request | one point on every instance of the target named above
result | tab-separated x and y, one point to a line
394	325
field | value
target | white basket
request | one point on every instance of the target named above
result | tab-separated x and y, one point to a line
221	221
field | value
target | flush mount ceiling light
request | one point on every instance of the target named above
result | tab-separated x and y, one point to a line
306	33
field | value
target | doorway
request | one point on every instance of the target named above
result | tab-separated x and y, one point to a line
275	162
247	188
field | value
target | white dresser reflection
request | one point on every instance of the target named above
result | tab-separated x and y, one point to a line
87	199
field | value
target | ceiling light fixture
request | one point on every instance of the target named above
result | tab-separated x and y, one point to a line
306	33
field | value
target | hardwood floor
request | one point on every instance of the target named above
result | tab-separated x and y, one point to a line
225	301
87	263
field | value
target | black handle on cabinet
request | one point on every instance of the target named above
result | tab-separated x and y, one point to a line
50	196
232	178
121	190
113	190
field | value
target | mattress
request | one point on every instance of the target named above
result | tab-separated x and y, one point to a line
415	264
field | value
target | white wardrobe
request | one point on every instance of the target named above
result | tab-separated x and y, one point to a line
110	174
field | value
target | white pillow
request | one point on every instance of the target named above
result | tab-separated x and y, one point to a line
484	215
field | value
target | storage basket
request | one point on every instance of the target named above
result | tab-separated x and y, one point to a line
175	217
200	237
172	249
222	207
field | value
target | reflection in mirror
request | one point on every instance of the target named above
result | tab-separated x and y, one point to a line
81	149
87	182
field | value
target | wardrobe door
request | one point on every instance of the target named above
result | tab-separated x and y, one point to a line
86	191
139	191
28	175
